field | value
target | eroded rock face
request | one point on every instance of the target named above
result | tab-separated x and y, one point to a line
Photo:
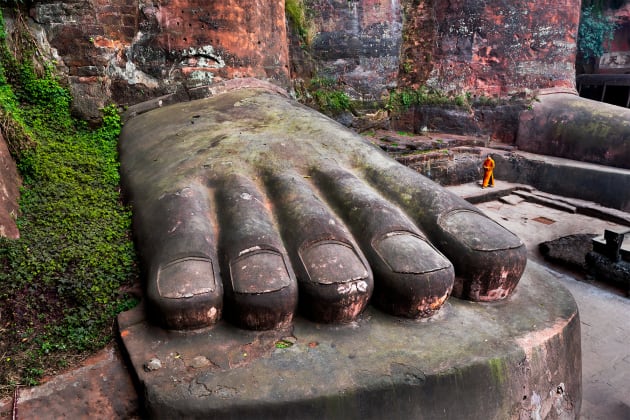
498	48
491	48
358	43
131	50
9	193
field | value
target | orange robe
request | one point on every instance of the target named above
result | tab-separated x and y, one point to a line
488	176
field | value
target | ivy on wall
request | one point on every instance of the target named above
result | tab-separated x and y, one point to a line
594	31
61	281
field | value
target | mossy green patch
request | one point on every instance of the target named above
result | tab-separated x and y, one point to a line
61	282
326	95
498	369
297	15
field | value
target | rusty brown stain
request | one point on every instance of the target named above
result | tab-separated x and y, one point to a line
544	220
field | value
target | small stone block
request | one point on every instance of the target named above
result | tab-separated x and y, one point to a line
512	199
614	240
599	245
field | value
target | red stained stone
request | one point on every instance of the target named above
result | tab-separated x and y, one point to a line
492	48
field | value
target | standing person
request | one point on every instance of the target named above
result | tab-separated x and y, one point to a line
488	172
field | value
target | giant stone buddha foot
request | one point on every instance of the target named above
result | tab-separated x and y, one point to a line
250	205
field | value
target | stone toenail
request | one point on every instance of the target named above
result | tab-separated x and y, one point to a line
477	231
185	278
407	253
259	270
330	262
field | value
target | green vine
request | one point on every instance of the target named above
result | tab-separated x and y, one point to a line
60	282
594	31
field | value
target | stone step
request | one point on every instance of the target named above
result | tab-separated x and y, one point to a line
474	194
546	201
589	208
512	199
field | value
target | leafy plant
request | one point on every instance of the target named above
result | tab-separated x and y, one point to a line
333	101
60	282
297	16
405	98
327	95
594	30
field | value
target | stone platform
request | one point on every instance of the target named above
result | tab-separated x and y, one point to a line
520	358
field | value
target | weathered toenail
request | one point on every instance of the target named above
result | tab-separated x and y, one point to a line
407	253
186	278
330	262
477	231
259	271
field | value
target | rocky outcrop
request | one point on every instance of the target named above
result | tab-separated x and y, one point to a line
568	250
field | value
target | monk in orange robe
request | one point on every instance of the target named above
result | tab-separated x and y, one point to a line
488	172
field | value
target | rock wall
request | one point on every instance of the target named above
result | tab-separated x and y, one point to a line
486	49
9	193
492	48
501	48
132	50
358	43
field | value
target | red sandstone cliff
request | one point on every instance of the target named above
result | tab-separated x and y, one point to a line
131	50
502	47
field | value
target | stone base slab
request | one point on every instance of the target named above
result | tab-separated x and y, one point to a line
514	359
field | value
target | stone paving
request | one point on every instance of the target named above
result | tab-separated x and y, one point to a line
604	311
103	388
